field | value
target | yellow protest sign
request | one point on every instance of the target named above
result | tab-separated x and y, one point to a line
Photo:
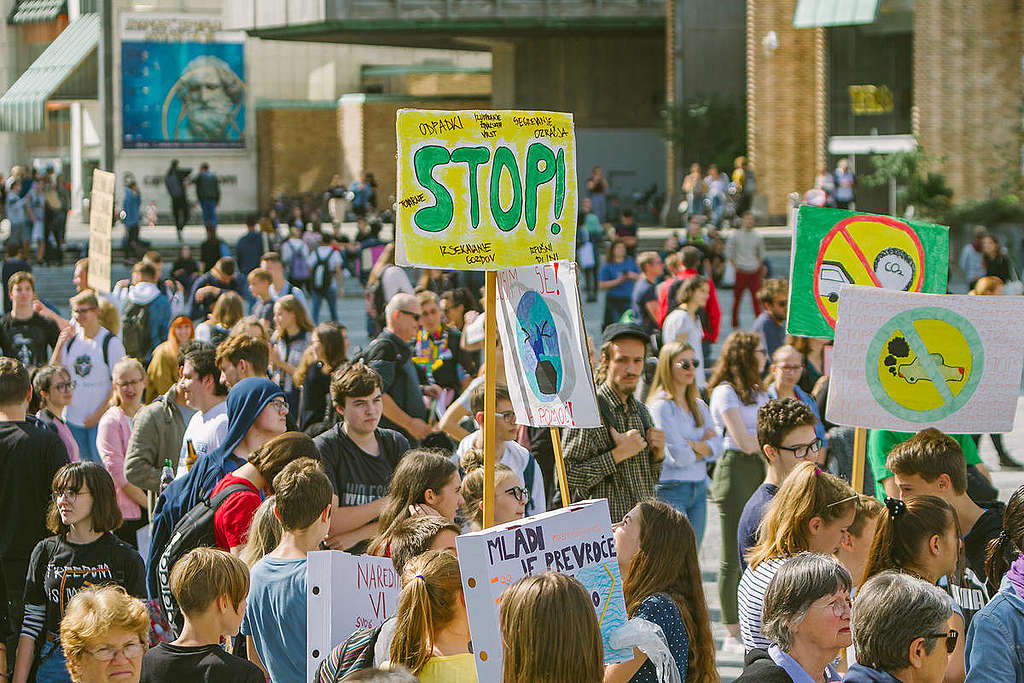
485	190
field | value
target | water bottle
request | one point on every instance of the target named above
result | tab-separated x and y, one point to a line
166	475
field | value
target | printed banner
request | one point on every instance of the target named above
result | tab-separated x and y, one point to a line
832	247
576	541
182	82
344	593
485	190
101	219
545	346
906	361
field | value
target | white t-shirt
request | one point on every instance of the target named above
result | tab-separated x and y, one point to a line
723	398
516	458
680	323
84	362
206	431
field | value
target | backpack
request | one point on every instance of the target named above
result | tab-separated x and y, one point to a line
354	654
106	351
298	266
374	294
193	530
135	331
321	282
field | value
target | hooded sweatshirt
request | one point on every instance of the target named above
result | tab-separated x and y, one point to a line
148	294
245	402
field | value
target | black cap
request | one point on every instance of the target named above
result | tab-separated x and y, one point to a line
619	330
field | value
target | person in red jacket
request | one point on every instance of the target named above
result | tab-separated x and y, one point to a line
712	316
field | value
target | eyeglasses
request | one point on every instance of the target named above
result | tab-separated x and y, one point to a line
63	386
414	316
508	417
790	368
840	606
82	311
69	495
130	651
519	493
129	383
803	450
278	404
780	302
950	638
687	364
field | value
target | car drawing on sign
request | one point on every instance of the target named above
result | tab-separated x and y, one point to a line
912	372
831	276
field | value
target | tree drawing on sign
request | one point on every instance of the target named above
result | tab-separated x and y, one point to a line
538	339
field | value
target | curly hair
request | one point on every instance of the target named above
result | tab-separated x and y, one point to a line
738	365
778	418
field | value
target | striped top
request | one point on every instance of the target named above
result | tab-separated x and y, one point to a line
753	586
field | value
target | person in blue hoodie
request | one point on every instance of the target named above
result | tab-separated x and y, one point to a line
246	401
998	629
901	632
132	216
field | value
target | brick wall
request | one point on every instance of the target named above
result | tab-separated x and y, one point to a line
785	102
297	150
968	90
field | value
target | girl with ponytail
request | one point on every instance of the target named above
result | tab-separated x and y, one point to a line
998	629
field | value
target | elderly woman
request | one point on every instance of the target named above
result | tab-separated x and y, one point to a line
901	631
104	633
807	618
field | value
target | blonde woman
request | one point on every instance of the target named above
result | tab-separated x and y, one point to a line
290	339
163	369
105	632
510	497
264	533
115	429
227	311
690	439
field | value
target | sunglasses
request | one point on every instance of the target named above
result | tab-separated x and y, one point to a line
414	316
950	638
520	494
688	364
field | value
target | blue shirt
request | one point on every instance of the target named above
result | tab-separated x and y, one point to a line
132	207
249	250
661	610
797	672
275	617
611	271
753	512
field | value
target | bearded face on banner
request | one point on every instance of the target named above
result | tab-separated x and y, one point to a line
210	97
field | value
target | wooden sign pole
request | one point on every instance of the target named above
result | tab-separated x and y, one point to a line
490	360
860	447
563	485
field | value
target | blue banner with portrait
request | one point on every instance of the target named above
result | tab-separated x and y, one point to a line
182	94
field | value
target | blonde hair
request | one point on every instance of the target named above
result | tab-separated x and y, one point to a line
204	574
472	463
550	632
242	327
126	363
290	304
663	381
806	493
227	310
986	286
92	613
431	585
264	533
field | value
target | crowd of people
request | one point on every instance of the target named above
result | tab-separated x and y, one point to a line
171	454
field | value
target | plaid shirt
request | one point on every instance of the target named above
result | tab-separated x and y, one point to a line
591	469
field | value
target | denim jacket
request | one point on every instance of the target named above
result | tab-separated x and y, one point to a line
998	631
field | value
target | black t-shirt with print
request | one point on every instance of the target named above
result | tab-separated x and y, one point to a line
30	454
169	663
358	477
58	569
28	339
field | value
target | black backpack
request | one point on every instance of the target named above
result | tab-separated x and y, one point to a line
106	350
135	331
320	282
193	530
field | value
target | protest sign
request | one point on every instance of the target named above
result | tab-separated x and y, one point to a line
906	361
545	346
485	190
576	541
101	218
833	247
344	593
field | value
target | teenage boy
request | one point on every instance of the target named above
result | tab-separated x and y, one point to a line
507	450
358	455
143	334
785	432
240	356
210	587
275	616
931	463
208	287
881	442
272	263
260	281
28	332
200	385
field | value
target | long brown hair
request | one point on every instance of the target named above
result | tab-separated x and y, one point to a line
332	339
806	493
289	303
419	470
1003	549
663	381
550	632
431	585
737	365
666	562
903	529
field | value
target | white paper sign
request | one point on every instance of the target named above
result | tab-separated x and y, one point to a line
545	346
344	593
576	541
906	361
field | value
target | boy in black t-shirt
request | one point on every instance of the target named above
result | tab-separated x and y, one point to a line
210	586
28	332
358	455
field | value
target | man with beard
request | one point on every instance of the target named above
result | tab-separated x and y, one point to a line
771	324
620	460
211	96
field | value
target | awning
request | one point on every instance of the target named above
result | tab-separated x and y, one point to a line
871	144
23	106
35	11
814	13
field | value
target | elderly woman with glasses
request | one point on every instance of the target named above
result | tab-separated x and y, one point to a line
104	632
807	620
901	631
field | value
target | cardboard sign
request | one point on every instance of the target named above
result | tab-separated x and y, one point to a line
101	216
832	248
485	190
576	541
545	346
906	361
344	593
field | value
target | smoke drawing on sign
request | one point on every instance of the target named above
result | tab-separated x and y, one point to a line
538	338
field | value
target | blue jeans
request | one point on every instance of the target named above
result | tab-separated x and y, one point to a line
332	304
209	207
85	437
690	498
717	209
52	665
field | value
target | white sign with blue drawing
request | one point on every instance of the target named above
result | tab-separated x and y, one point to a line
544	343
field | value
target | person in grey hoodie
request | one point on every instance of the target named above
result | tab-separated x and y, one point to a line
157	431
143	292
